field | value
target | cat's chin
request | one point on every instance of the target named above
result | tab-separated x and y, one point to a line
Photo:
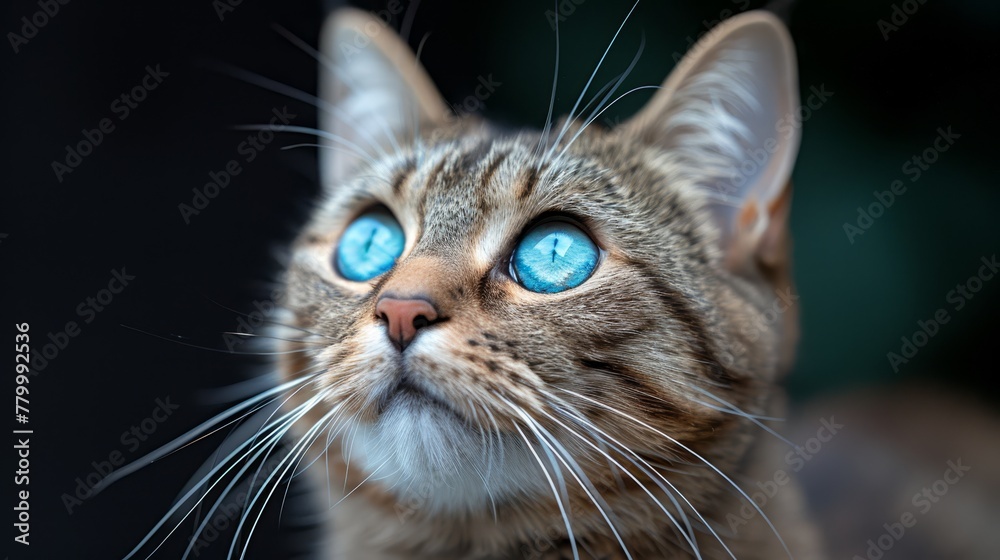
430	458
414	399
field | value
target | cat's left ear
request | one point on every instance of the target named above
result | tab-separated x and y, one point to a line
726	113
376	93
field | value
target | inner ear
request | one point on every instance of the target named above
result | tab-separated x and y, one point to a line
376	95
726	115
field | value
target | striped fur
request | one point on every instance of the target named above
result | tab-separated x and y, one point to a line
637	380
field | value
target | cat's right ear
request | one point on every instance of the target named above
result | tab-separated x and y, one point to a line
376	94
726	116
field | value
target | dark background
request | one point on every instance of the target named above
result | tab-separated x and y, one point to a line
119	207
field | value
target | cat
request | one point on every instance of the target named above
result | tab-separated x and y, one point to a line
547	344
551	344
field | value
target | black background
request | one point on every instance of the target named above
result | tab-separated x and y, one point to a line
119	207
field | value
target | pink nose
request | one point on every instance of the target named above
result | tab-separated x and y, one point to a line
404	317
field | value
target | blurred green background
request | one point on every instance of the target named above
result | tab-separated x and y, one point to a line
893	87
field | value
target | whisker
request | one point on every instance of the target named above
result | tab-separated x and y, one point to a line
730	408
344	78
595	117
572	111
736	411
239	390
576	472
695	454
543	138
408	17
270	321
617	83
297	94
273	438
237	478
347	456
304	442
475	466
687	537
189	436
270	337
650	471
555	493
209	348
350	146
348	494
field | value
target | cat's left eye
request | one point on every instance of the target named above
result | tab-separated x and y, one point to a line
554	256
369	246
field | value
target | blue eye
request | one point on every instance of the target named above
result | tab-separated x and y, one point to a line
369	246
554	256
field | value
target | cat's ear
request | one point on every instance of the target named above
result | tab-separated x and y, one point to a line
375	93
727	113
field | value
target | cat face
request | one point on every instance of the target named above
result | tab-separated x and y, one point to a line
480	310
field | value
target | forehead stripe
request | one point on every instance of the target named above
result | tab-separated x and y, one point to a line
474	155
491	169
404	173
527	185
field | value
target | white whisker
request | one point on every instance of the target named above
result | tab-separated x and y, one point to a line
689	537
343	77
695	454
571	117
544	136
278	432
595	117
555	493
576	472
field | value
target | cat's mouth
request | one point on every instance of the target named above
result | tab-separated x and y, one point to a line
409	393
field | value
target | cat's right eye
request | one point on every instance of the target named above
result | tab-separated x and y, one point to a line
369	246
553	257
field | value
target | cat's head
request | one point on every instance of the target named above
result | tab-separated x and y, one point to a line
475	304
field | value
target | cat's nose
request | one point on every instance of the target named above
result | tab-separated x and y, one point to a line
404	317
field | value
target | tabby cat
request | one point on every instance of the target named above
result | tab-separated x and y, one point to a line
556	344
547	344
